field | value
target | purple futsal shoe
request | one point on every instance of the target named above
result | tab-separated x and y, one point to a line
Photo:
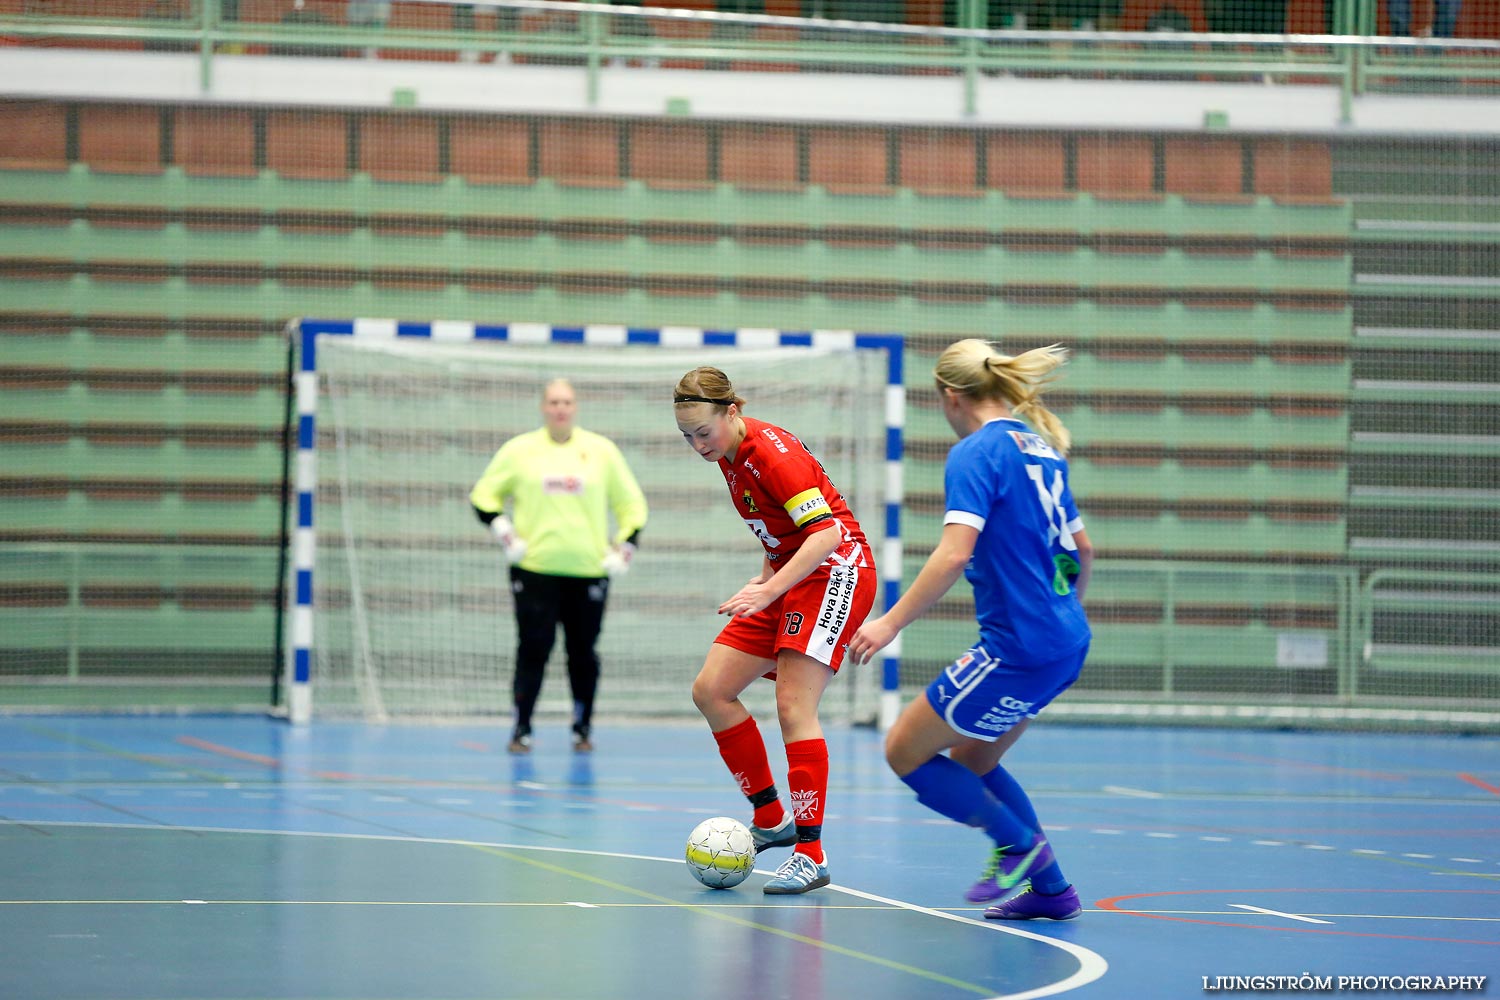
1028	904
1006	871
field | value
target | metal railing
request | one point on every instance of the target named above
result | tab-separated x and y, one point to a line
595	36
1429	601
1331	630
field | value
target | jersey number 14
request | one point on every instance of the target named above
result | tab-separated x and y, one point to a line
1065	567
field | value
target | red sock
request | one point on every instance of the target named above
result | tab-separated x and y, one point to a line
807	781
744	753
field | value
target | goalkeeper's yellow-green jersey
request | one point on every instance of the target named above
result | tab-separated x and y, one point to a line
560	497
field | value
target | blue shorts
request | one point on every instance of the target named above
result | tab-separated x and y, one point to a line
984	698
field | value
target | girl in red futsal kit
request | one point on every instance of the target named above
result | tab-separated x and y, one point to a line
791	622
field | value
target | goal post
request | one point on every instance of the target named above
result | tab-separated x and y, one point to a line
397	604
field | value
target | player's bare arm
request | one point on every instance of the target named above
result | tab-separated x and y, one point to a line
1085	561
767	570
756	596
938	575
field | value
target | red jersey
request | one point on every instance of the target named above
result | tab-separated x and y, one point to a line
781	490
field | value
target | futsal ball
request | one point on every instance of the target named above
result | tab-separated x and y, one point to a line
720	852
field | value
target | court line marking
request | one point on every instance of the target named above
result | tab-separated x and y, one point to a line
913	970
1135	793
60	787
1113	904
1304	765
1476	781
360	782
1278	913
109	752
872	907
1341	916
1092	966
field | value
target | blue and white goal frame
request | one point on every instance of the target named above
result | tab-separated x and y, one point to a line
305	333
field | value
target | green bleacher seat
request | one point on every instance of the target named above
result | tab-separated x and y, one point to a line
1209	330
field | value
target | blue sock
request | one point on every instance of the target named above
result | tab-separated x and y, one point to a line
1049	881
952	790
1010	793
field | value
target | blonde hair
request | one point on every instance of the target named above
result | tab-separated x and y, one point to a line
976	369
706	386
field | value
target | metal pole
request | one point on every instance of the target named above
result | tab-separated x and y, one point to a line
75	609
209	26
283	554
593	34
1169	669
972	14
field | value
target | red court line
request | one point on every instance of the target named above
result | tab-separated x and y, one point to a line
1473	780
271	762
223	751
1113	904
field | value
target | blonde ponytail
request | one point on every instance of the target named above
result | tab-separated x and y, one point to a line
974	368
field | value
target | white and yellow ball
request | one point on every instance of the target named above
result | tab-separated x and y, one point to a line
720	852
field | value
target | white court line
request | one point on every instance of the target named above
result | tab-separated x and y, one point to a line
1341	916
1091	965
1278	913
1136	793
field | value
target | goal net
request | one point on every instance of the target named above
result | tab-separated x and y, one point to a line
412	612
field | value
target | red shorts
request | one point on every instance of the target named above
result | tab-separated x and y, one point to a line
817	617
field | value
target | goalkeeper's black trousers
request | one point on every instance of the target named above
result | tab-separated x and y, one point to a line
543	602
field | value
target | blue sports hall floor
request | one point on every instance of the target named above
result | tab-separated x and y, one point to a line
236	857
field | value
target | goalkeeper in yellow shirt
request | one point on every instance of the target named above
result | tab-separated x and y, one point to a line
561	483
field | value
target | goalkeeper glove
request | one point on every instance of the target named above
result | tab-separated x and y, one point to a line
505	532
617	560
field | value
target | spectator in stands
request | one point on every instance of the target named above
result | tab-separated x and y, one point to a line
1043	15
1085	15
562	483
1444	18
368	14
507	20
1169	18
165	10
1259	17
304	16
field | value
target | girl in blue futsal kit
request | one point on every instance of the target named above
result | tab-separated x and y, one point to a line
1012	528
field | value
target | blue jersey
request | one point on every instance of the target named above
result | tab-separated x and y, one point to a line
1005	481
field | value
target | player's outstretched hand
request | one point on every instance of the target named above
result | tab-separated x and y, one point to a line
751	598
871	637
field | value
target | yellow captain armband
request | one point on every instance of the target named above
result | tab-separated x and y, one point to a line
807	506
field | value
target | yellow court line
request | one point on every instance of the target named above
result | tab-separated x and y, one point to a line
927	974
1091	965
1427	865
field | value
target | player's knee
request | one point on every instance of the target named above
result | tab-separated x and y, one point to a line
706	696
795	712
900	753
896	754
